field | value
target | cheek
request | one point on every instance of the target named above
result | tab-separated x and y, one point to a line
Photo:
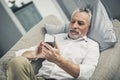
70	26
83	29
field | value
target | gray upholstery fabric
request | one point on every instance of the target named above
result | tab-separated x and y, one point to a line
54	29
101	27
109	61
108	66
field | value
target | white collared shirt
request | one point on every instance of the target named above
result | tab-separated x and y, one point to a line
83	51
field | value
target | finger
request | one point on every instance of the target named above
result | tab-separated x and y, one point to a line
39	48
56	45
47	46
45	51
45	54
42	55
40	44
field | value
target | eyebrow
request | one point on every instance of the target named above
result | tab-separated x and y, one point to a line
81	21
78	20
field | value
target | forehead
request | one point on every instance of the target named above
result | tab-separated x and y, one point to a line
80	16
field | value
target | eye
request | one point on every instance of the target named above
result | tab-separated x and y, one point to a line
72	21
80	23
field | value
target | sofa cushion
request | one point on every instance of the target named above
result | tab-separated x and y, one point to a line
109	60
101	28
54	29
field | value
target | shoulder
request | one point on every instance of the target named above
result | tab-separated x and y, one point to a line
61	34
92	43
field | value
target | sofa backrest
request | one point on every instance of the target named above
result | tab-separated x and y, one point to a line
109	61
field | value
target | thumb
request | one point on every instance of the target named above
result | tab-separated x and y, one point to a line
56	45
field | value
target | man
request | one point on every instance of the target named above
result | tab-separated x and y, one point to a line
74	56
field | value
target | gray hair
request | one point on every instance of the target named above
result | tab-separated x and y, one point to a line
83	10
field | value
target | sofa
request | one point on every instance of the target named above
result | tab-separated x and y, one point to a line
108	67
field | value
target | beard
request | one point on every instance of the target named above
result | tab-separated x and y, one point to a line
73	34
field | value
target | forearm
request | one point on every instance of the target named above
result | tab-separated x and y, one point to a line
29	54
53	55
68	66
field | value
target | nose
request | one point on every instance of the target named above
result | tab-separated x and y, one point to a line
75	25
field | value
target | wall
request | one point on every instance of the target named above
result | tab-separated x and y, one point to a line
9	33
113	6
45	8
45	5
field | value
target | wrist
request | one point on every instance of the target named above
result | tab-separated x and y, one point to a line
59	60
30	55
32	59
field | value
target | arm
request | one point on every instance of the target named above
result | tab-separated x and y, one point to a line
89	63
81	71
68	66
34	54
53	55
29	55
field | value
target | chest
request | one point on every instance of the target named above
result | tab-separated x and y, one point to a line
73	50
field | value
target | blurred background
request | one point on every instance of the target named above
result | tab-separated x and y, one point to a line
18	16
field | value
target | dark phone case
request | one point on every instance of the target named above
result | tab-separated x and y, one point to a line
50	43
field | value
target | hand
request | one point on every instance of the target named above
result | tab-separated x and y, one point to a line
51	54
38	52
34	54
29	54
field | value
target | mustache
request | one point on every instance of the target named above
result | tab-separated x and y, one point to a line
73	30
76	31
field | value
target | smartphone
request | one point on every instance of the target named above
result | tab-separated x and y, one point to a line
51	42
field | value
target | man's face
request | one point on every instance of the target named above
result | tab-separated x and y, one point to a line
79	25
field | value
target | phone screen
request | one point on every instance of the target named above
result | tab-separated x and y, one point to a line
50	41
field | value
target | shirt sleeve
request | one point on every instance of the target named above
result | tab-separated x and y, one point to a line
89	63
20	52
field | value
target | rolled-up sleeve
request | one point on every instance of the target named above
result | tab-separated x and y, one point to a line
20	52
89	63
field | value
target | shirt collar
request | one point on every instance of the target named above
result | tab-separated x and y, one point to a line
79	39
